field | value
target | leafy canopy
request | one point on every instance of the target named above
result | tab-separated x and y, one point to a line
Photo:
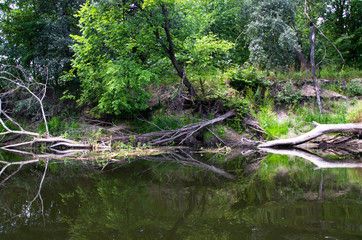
123	48
272	40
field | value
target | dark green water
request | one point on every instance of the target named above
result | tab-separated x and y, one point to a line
165	197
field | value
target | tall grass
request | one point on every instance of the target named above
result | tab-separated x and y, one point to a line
268	120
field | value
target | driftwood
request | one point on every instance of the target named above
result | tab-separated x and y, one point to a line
56	144
319	161
178	136
319	130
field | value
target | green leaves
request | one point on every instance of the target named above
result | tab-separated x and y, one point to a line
207	51
109	60
272	41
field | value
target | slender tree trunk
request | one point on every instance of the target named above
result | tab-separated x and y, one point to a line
299	54
171	53
312	62
303	62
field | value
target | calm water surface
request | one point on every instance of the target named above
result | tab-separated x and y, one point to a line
210	196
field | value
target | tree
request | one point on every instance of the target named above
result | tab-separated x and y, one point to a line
35	35
273	42
343	25
126	46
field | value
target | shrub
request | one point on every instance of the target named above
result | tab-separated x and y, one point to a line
288	95
353	88
248	76
354	114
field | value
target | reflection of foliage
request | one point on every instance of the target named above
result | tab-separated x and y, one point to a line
279	178
168	200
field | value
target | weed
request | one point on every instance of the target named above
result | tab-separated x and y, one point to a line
268	121
217	130
59	126
248	76
353	88
288	95
354	114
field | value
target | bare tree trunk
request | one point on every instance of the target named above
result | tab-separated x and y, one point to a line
316	132
303	62
312	62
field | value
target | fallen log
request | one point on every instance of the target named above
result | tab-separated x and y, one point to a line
178	136
53	144
319	130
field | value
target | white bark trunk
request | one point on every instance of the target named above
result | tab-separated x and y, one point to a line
316	132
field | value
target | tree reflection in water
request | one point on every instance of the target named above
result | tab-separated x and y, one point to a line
180	196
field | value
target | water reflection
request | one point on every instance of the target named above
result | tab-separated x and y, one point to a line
180	196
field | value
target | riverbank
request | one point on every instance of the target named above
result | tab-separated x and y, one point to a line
275	109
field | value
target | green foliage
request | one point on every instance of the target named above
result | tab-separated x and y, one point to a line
308	114
353	88
112	76
248	76
272	125
60	126
354	113
120	53
35	35
204	51
272	40
163	121
288	95
218	130
339	72
230	19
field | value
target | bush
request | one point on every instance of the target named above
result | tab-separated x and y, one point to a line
288	95
248	76
353	88
354	114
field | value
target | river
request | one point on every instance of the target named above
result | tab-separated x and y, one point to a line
179	196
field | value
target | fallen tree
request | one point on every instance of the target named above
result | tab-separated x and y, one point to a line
178	136
16	79
319	130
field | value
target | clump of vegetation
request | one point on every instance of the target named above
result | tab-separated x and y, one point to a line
214	132
164	121
247	76
288	95
353	88
269	122
354	113
62	126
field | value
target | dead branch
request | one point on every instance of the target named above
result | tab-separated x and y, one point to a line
27	85
319	130
8	130
178	136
